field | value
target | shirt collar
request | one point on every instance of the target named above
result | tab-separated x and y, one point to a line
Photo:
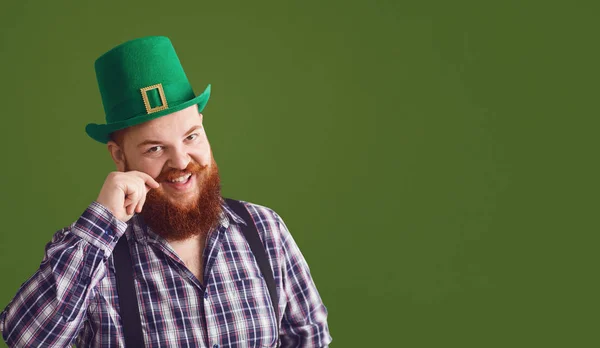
232	215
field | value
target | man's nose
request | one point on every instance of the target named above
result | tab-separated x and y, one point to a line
179	159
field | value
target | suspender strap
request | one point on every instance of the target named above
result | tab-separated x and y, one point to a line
129	310
258	249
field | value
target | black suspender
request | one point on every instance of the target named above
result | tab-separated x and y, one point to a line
258	249
129	308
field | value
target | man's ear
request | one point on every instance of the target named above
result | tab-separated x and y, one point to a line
117	155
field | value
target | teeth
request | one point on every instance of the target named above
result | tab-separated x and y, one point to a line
182	178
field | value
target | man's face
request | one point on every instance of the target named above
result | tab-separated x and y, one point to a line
174	150
164	147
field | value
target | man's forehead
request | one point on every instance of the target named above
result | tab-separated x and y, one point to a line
175	124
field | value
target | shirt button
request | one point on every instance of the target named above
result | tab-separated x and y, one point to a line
215	346
206	296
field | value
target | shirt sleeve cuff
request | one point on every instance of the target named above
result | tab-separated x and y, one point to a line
99	227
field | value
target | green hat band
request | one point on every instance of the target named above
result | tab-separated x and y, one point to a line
175	93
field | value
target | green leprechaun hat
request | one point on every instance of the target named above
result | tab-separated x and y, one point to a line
141	80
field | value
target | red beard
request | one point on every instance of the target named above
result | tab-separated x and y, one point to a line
177	221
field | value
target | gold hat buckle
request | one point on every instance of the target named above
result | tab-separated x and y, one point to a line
163	99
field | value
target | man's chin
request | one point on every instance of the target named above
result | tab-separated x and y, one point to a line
183	202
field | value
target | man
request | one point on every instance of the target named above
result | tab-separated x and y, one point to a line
196	280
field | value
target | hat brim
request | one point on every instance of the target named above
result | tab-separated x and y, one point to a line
101	132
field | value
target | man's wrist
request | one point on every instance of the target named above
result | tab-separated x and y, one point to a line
99	227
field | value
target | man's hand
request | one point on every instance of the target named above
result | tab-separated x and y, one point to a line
124	193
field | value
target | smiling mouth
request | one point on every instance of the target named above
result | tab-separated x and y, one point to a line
180	184
180	180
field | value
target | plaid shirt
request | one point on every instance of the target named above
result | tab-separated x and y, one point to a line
72	298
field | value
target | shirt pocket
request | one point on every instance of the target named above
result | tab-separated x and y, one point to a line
245	305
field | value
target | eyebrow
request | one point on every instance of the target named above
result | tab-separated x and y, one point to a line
157	142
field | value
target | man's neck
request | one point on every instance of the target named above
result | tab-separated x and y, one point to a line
190	252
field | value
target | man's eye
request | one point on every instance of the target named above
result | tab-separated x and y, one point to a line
192	136
154	149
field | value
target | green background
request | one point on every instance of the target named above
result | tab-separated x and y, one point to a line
435	161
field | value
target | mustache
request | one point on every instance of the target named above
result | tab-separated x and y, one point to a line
171	174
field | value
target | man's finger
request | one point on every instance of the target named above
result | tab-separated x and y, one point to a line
148	180
140	204
133	196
